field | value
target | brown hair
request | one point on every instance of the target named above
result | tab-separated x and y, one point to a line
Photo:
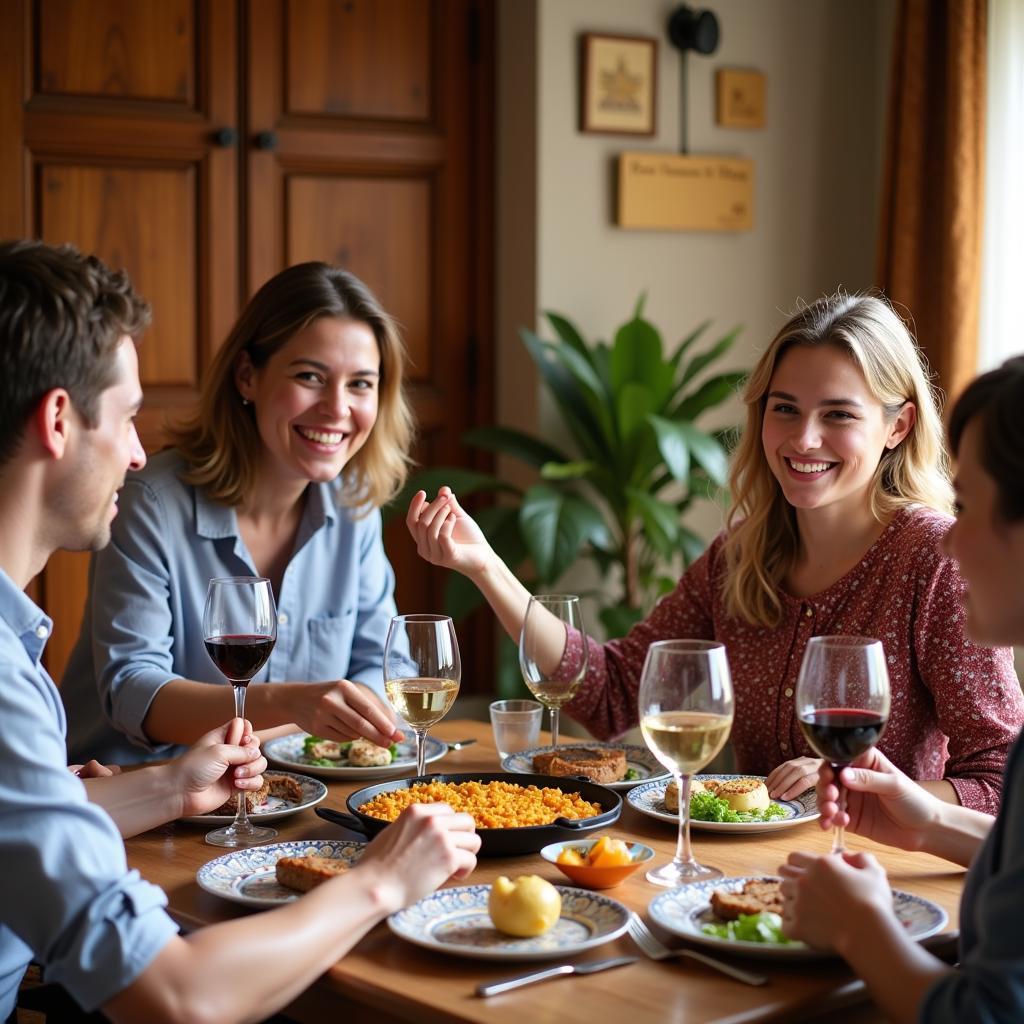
996	399
220	440
763	542
62	317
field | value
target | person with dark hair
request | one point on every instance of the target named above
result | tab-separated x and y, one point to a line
67	899
839	486
843	902
300	434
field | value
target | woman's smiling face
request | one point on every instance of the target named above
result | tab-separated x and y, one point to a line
315	400
823	431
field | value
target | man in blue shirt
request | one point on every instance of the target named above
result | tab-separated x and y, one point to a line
69	392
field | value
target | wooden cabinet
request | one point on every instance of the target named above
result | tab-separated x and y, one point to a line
206	144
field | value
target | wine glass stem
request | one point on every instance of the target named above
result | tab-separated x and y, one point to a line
554	727
684	855
242	814
838	832
421	751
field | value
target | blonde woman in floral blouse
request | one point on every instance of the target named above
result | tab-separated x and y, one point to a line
841	497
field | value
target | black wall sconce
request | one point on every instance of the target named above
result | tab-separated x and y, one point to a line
690	29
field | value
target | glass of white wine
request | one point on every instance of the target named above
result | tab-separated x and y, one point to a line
686	707
422	671
541	646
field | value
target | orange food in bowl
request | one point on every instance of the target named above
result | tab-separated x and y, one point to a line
570	856
609	853
599	864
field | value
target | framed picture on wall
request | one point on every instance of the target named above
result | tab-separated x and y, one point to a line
618	90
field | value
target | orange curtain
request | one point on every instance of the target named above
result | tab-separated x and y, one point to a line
932	194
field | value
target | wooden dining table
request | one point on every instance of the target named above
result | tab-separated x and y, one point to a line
384	978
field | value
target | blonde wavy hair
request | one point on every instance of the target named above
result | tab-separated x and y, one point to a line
762	540
220	440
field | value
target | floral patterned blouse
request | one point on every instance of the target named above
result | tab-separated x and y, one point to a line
956	708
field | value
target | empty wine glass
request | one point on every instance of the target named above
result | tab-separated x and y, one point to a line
842	703
685	705
240	630
541	646
422	670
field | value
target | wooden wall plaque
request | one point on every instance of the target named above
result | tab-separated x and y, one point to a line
685	193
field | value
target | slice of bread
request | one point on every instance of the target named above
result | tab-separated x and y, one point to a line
305	873
757	896
599	764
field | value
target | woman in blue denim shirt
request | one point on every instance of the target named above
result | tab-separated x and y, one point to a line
300	435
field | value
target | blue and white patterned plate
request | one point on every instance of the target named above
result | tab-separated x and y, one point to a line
313	791
649	799
639	758
456	921
247	876
685	910
287	751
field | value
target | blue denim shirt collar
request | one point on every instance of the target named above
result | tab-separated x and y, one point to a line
216	520
31	625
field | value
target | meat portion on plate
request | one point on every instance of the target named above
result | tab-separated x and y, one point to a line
599	764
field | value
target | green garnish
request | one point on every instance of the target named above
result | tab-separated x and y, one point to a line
321	762
308	742
394	751
631	775
763	927
708	807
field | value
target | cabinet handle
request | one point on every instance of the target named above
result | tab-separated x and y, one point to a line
265	140
225	138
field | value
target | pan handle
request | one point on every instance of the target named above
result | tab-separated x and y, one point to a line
576	824
348	821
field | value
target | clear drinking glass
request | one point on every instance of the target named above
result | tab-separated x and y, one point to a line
541	643
842	703
686	708
240	630
516	725
422	671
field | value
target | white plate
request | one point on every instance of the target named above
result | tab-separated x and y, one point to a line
456	921
287	751
649	799
247	876
684	910
639	758
313	791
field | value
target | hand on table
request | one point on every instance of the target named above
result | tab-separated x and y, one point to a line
791	778
220	763
342	711
426	845
823	895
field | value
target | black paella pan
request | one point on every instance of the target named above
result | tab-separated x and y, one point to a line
495	842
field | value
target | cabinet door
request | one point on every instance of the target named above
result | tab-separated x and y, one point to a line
113	108
368	147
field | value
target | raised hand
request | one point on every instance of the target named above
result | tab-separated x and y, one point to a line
446	534
426	845
220	763
881	802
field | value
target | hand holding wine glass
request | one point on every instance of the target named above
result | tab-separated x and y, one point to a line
842	703
541	645
240	630
686	708
422	671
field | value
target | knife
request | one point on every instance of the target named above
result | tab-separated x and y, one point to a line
493	988
459	744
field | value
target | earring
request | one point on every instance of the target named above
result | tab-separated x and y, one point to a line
246	401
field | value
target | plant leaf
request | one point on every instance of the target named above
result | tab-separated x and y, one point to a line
566	470
718	349
566	330
673	446
636	356
707	451
619	619
690	544
507	441
713	391
685	344
555	525
660	519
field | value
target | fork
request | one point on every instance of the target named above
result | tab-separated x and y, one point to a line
653	947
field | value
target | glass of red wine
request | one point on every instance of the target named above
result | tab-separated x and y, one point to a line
842	703
240	630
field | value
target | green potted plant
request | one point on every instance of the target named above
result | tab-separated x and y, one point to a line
639	462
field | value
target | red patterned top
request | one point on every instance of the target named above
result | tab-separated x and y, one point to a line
956	708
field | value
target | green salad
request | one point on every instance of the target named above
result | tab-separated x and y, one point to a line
708	807
763	927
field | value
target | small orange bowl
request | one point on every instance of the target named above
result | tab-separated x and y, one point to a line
596	877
